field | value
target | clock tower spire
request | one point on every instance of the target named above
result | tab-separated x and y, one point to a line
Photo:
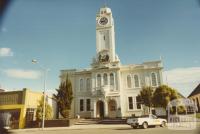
105	37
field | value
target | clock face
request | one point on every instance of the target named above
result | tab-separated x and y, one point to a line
103	21
103	58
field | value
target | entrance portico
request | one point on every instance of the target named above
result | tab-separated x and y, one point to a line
112	109
100	108
105	108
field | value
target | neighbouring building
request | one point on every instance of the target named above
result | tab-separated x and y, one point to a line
21	106
195	96
1	90
108	88
52	102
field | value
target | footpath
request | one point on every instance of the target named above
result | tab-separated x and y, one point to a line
83	124
74	127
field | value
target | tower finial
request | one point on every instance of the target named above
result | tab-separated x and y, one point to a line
105	3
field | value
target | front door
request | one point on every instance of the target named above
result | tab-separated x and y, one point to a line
100	109
112	109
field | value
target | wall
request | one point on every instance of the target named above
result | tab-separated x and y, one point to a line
32	99
22	112
144	72
197	96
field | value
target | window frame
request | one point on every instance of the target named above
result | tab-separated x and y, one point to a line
81	84
30	113
81	106
111	79
131	84
156	79
134	103
97	78
139	84
105	82
138	104
88	86
129	109
88	105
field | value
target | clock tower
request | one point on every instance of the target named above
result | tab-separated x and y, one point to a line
105	37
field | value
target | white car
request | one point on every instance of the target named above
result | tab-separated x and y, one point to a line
145	121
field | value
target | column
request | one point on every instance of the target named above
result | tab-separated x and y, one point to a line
101	80
108	77
121	103
93	82
94	108
115	82
105	108
118	84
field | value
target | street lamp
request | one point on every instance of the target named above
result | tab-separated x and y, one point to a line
44	101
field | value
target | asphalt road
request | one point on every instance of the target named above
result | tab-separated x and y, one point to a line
116	130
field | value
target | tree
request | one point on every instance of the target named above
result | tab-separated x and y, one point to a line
146	96
64	97
163	95
39	111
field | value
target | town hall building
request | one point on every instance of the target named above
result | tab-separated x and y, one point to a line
108	88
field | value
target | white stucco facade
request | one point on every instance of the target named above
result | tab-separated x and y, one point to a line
108	88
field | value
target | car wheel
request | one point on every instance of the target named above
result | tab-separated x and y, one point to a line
134	127
145	125
163	124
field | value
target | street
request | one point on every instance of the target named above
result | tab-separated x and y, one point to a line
116	130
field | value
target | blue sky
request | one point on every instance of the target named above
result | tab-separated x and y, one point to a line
61	35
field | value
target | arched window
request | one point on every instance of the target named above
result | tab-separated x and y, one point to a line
105	79
98	80
153	79
136	79
88	84
129	83
81	84
112	79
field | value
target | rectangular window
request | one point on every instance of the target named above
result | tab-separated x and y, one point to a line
29	114
190	110
81	105
88	105
130	103
153	79
138	101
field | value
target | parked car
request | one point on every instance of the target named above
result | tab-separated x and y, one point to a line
145	121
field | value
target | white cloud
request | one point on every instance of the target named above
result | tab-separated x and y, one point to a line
183	79
22	74
5	52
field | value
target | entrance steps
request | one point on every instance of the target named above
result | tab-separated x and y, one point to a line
112	121
101	121
87	122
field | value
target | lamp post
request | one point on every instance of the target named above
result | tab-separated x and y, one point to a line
44	101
